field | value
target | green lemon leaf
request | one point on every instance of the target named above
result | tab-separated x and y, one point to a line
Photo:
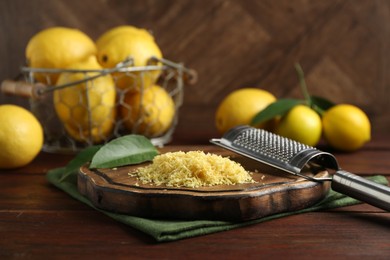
277	108
124	150
320	102
81	158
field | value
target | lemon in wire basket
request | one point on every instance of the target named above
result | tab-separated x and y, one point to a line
57	48
96	91
128	42
150	112
86	109
121	30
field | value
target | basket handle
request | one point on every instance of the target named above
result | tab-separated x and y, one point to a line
21	88
191	76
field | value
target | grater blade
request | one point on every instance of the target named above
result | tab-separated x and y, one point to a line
274	150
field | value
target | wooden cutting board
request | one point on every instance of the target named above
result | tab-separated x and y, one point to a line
274	192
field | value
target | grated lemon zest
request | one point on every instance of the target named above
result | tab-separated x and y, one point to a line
192	169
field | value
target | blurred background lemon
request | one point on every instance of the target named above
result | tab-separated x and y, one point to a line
119	30
346	127
21	136
150	112
98	133
86	107
121	43
57	47
240	106
301	123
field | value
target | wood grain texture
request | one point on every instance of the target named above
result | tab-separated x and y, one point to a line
342	46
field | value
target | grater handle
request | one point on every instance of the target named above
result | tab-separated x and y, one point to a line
362	189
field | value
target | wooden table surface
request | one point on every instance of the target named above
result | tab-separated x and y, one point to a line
40	221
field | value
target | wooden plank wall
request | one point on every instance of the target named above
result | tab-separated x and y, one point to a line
342	45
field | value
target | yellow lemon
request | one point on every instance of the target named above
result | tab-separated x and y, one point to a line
240	106
98	134
87	105
302	124
57	47
122	29
346	127
150	112
137	46
21	136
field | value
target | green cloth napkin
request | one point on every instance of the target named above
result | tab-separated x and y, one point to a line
170	230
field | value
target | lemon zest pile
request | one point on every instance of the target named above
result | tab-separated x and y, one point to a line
192	169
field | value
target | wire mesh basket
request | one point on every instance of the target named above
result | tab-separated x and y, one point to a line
87	108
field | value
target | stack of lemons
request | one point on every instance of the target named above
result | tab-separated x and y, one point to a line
89	109
345	127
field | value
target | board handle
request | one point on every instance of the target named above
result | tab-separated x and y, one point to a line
362	189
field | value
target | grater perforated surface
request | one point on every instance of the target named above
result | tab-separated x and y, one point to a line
268	144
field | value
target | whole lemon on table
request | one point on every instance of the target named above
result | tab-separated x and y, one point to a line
57	48
302	124
86	109
346	127
21	136
150	112
140	48
240	106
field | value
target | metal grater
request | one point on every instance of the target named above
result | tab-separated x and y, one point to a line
274	150
291	156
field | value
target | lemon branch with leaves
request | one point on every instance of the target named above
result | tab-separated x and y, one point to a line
282	106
